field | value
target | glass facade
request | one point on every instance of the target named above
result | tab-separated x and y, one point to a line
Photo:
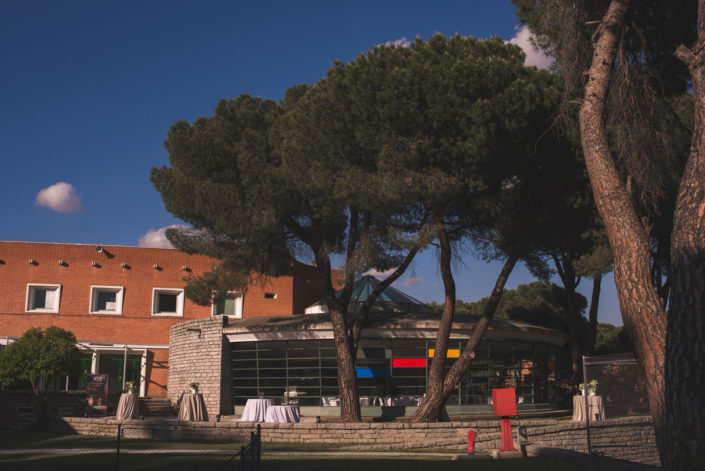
390	368
112	365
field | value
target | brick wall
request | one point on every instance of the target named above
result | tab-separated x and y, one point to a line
136	324
198	352
626	439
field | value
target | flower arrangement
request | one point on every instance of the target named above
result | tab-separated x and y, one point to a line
590	387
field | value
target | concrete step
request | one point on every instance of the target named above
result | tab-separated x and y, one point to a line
155	407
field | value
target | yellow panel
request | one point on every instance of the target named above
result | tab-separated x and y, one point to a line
452	353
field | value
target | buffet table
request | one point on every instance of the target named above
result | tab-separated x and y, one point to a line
128	407
256	410
192	408
282	414
597	408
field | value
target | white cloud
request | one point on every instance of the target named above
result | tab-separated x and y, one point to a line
61	197
534	56
401	42
156	238
412	281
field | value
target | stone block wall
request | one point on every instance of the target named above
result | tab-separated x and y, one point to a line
630	439
198	352
625	439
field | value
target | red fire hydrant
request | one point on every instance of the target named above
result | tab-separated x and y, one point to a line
471	441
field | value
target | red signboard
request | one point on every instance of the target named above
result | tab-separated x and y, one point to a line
504	402
409	363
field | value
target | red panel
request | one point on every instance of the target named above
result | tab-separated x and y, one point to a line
504	401
409	363
507	441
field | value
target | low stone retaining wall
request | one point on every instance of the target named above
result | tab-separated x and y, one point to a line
630	439
627	439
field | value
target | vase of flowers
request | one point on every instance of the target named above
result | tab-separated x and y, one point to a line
193	386
589	388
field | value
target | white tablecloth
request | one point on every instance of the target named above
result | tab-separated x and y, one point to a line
597	408
256	410
128	407
331	401
282	414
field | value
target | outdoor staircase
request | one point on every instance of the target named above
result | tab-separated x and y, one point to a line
155	407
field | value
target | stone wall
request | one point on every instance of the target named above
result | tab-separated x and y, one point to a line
18	409
629	439
626	439
198	352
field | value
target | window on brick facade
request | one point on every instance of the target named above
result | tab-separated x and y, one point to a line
43	298
106	299
167	302
231	305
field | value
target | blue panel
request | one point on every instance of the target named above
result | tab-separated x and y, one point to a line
377	372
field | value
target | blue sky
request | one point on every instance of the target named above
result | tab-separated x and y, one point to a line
89	89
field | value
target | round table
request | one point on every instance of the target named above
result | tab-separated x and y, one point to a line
282	414
597	408
192	408
128	407
256	410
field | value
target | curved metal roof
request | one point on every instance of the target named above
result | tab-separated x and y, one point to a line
386	325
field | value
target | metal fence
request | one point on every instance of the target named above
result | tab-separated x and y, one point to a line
620	383
621	388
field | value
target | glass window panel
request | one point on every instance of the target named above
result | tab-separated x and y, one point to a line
371	353
272	373
239	363
303	363
278	383
167	302
329	372
272	350
272	363
40	298
107	301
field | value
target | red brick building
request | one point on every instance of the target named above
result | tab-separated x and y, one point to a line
121	301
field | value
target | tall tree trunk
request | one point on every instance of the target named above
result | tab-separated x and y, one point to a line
431	407
566	271
685	340
434	390
642	312
592	316
347	377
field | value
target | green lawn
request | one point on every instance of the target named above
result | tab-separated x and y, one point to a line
38	440
191	463
173	462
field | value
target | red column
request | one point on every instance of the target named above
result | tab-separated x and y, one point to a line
507	442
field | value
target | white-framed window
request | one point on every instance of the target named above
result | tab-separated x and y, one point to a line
43	298
230	306
106	299
167	302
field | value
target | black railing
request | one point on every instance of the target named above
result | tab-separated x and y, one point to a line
250	455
